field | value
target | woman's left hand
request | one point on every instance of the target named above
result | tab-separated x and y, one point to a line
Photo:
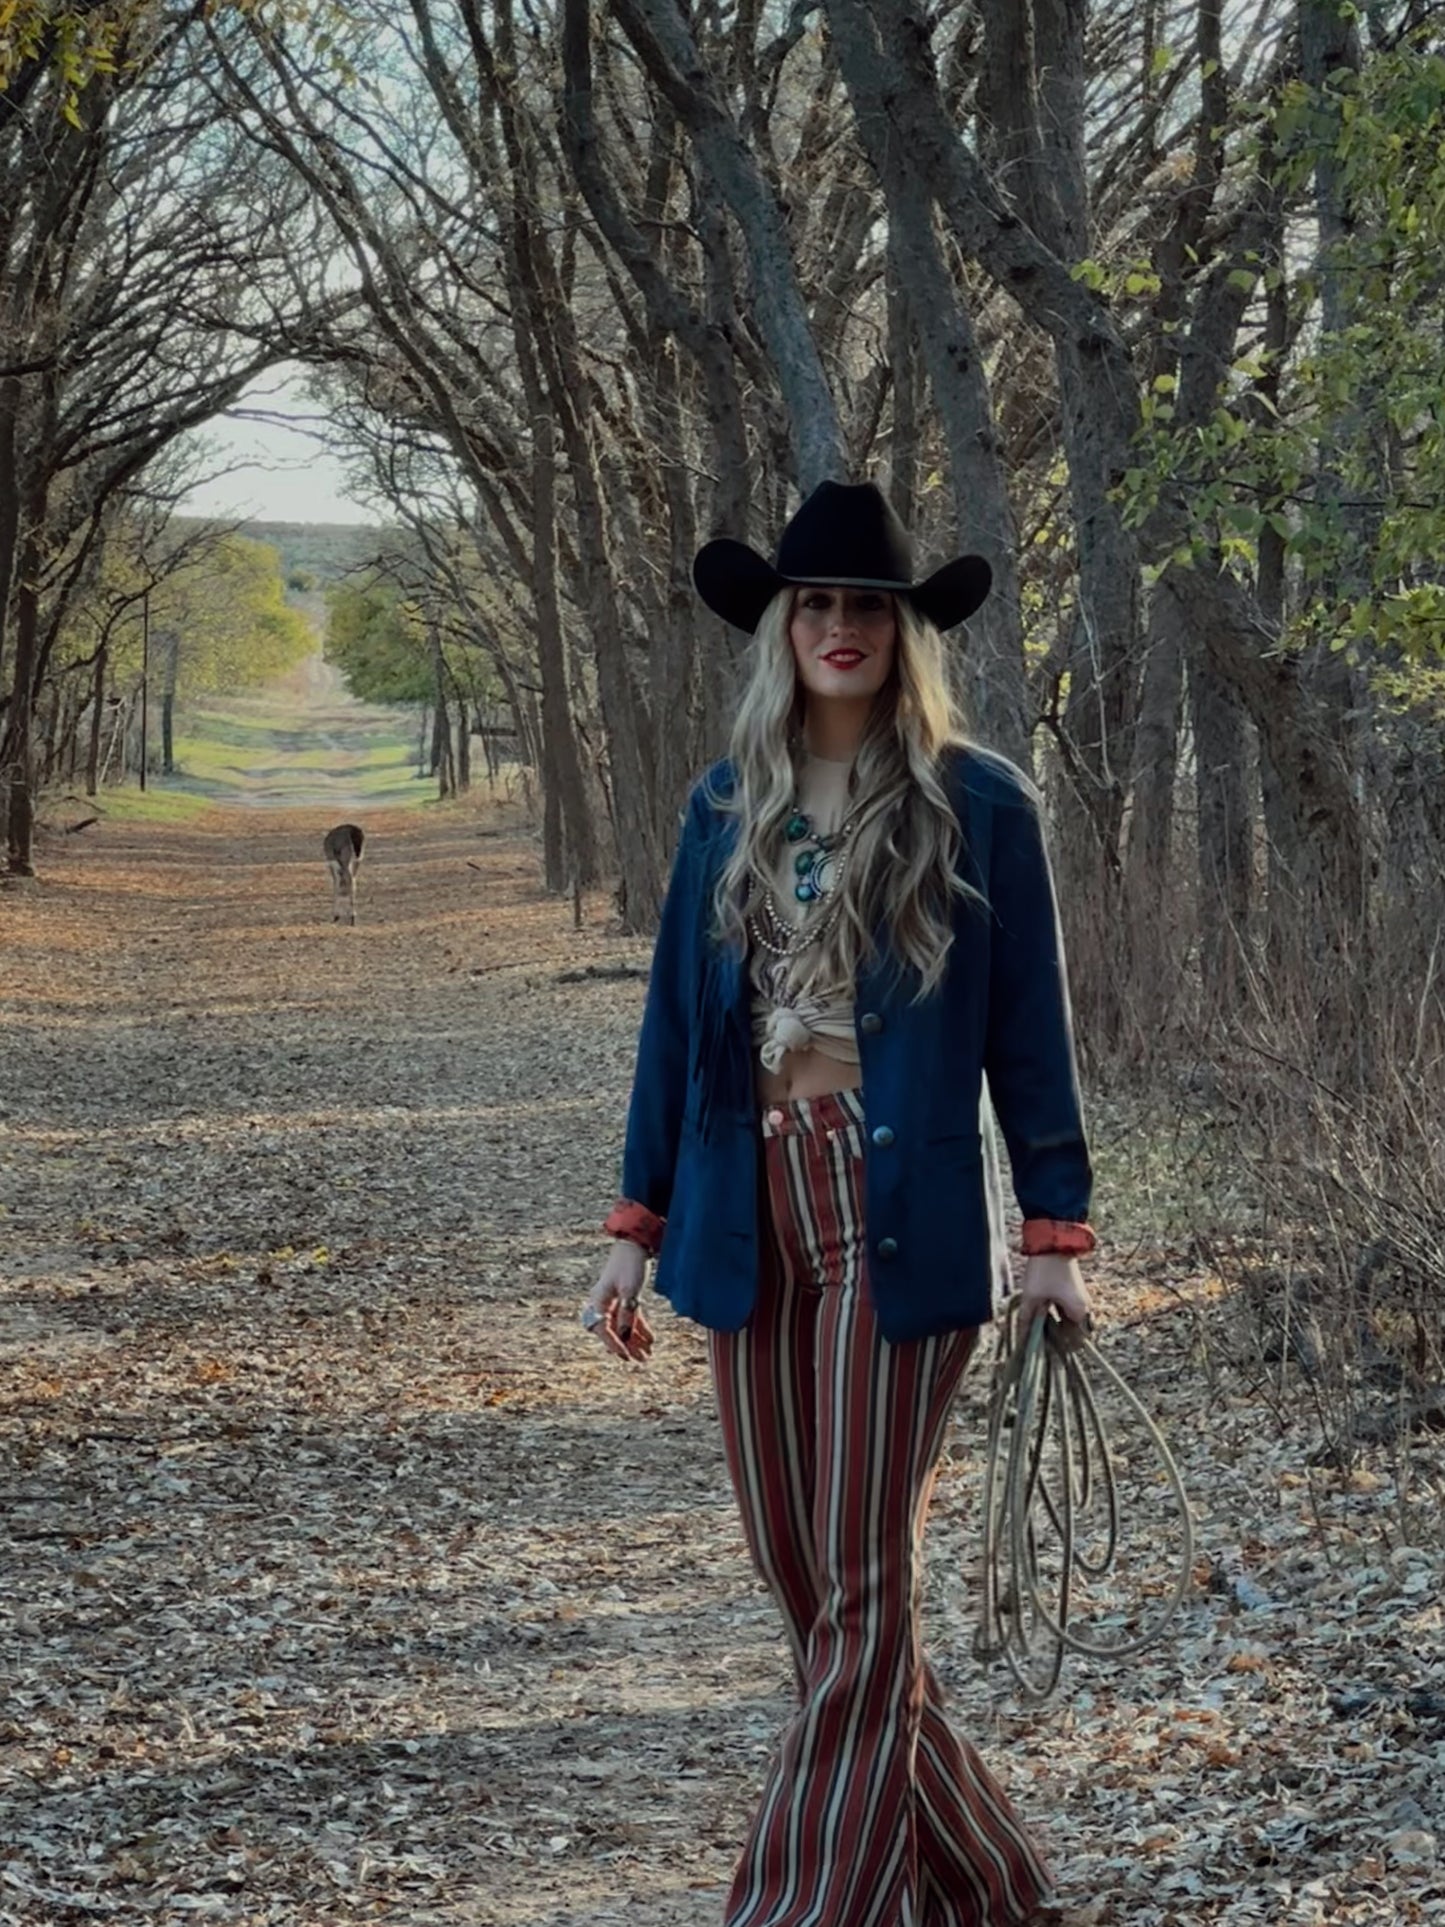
1051	1278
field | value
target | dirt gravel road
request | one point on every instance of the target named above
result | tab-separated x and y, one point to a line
345	1580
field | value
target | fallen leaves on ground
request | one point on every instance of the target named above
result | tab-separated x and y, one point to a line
348	1581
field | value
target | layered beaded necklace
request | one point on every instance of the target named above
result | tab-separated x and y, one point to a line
819	870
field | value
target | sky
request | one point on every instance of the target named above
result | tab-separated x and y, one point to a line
272	472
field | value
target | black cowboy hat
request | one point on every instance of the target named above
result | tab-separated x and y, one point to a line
846	536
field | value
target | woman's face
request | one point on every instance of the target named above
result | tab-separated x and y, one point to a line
843	641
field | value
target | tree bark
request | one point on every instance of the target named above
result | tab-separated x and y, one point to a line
17	758
553	334
1032	99
1225	832
441	738
1156	748
168	701
665	45
1330	49
9	502
97	715
721	649
677	646
1101	408
993	655
674	649
569	837
464	747
908	402
1316	820
706	336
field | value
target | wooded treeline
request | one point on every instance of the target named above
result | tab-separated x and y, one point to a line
1132	298
1142	299
132	252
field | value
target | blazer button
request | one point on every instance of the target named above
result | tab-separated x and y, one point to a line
870	1023
887	1247
883	1136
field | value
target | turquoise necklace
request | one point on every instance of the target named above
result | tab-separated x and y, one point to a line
819	867
813	852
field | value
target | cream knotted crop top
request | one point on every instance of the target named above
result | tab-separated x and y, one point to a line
792	1010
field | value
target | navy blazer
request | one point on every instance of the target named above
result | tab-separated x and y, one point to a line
1002	1013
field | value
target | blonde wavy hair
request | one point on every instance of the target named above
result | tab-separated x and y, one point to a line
902	870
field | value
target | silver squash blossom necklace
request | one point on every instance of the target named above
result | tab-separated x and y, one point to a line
820	869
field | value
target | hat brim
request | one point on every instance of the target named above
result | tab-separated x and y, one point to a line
737	584
951	594
735	581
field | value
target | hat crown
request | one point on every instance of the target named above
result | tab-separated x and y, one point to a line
846	535
847	532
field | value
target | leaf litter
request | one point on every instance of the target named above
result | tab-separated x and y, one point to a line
346	1580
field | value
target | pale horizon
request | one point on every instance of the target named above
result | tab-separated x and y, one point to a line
273	471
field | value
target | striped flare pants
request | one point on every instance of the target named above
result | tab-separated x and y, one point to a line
874	1812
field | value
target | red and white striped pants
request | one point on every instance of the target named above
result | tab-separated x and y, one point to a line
875	1813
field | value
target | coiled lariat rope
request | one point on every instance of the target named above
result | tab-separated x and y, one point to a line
1042	1383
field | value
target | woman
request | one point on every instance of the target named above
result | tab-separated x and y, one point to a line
859	927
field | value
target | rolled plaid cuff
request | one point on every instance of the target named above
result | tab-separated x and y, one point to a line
1056	1234
637	1224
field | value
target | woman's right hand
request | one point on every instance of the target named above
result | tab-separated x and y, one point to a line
620	1324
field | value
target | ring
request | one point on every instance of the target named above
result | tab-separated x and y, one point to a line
591	1318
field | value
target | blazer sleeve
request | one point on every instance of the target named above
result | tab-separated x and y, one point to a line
659	1083
1029	1055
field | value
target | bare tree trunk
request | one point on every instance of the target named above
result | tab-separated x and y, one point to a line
719	647
116	749
17	758
534	281
535	737
707	340
707	337
1329	47
569	837
1156	749
674	651
70	751
464	747
1101	403
171	673
993	659
441	740
1225	832
903	363
50	735
1032	95
1269	588
97	714
665	45
1316	827
9	503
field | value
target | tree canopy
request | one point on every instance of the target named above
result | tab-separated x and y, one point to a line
378	643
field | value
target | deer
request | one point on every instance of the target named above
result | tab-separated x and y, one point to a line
343	854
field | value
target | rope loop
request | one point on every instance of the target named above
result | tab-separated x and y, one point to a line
1049	1465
